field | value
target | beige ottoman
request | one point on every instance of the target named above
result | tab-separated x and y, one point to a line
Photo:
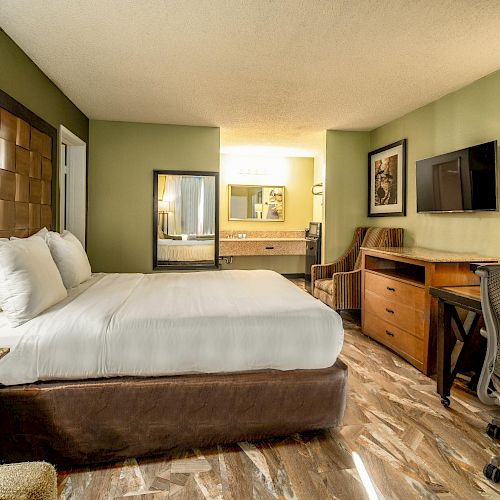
28	481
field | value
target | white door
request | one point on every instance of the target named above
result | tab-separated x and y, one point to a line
73	184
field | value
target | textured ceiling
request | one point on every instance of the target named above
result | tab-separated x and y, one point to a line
268	71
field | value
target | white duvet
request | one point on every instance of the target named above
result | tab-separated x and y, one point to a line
165	324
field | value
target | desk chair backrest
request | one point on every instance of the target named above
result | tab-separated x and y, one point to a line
490	302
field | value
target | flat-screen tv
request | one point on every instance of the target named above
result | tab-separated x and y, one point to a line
462	181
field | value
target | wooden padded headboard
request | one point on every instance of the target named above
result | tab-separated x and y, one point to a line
26	172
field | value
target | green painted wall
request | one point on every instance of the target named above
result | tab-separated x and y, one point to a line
463	118
122	158
23	80
345	189
468	116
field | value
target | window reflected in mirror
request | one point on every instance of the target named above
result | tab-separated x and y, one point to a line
263	203
186	219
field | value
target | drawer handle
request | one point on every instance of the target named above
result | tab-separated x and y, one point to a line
389	333
390	311
269	248
391	289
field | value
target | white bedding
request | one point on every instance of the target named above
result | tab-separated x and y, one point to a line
165	324
185	250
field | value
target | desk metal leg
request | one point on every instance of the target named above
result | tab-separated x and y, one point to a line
445	344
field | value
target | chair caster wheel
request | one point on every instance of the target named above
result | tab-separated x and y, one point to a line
492	473
445	402
493	431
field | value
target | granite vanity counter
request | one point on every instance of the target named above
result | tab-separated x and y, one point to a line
263	245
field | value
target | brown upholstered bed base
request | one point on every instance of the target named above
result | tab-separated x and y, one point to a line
84	422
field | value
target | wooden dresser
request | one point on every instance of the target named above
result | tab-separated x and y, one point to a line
397	309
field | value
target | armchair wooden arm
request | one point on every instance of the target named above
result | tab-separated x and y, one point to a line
347	290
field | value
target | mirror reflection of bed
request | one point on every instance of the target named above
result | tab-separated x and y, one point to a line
186	231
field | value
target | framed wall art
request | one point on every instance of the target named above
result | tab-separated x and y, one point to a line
387	180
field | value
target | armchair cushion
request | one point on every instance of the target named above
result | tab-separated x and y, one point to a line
325	297
325	285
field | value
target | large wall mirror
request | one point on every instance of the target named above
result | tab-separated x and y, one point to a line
262	203
186	220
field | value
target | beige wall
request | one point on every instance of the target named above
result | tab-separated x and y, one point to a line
296	174
464	118
121	163
345	190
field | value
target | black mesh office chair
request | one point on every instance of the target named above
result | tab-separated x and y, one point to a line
488	389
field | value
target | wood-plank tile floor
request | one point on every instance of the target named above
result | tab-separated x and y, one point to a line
412	448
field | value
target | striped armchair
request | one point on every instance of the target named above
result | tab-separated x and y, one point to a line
339	284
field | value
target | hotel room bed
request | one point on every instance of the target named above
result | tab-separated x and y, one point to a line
185	250
133	364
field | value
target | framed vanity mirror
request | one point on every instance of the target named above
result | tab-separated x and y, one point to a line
186	219
256	203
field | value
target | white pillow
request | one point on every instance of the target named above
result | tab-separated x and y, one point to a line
29	279
42	234
70	258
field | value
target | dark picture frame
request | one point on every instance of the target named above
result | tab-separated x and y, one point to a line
163	266
387	180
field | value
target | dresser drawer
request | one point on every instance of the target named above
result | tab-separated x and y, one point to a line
392	336
395	290
403	316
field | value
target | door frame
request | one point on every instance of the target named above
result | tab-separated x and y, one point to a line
77	179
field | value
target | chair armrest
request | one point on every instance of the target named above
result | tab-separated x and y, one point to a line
321	271
347	290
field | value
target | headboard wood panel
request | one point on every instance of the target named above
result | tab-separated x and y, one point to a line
27	173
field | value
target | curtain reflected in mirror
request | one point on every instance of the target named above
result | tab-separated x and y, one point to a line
186	220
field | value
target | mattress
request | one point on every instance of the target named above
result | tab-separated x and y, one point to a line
170	324
185	250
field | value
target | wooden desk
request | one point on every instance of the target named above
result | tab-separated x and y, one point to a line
397	309
451	328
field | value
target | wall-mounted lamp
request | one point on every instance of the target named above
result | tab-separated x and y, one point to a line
164	208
